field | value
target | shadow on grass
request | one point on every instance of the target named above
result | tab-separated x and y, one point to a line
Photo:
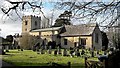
53	65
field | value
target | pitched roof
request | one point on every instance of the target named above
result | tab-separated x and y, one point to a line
83	29
47	29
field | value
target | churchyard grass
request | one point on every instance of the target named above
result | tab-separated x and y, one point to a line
31	58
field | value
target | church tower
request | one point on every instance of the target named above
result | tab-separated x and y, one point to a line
30	23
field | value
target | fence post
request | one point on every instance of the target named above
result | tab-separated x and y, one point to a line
69	64
85	62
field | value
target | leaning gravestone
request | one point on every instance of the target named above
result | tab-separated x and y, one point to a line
65	52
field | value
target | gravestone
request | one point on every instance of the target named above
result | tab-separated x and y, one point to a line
49	50
65	52
55	52
21	49
82	52
37	48
7	48
97	53
58	50
71	53
92	53
41	51
18	47
105	52
77	53
45	47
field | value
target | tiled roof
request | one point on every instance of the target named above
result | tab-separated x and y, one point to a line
84	29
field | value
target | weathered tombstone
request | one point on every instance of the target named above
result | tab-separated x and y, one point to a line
7	48
45	47
77	53
65	52
55	52
82	52
71	53
97	53
49	50
58	50
18	47
92	53
37	48
41	51
21	49
105	52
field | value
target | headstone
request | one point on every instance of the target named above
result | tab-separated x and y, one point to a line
45	47
65	52
18	47
41	51
58	50
71	53
21	49
92	53
77	53
83	52
55	52
105	52
37	48
49	50
7	49
97	53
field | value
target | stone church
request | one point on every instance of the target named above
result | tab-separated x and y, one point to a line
87	35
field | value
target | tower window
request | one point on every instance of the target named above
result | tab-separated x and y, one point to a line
26	22
35	23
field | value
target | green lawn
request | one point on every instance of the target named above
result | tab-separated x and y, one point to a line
30	58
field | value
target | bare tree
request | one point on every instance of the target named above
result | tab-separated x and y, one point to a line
106	14
27	41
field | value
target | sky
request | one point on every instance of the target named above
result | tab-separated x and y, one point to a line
12	24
